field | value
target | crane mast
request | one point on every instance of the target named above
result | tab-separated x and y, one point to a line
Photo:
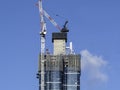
42	34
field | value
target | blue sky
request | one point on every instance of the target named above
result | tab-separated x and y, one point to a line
94	28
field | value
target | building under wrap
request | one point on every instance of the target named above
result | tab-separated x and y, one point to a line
62	71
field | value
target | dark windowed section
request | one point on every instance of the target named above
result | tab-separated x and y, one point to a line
71	80
54	80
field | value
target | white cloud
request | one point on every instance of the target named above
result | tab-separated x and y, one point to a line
94	66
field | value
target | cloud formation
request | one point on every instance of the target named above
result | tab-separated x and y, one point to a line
93	66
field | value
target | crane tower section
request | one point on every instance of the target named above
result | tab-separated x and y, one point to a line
60	70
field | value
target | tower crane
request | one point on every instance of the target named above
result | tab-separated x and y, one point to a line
41	73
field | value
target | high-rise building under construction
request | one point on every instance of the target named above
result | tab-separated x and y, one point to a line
60	70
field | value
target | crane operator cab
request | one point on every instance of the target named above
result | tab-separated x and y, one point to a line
43	33
64	29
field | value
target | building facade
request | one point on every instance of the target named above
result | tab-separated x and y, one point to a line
62	71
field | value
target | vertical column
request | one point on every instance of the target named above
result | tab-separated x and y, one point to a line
71	72
42	63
